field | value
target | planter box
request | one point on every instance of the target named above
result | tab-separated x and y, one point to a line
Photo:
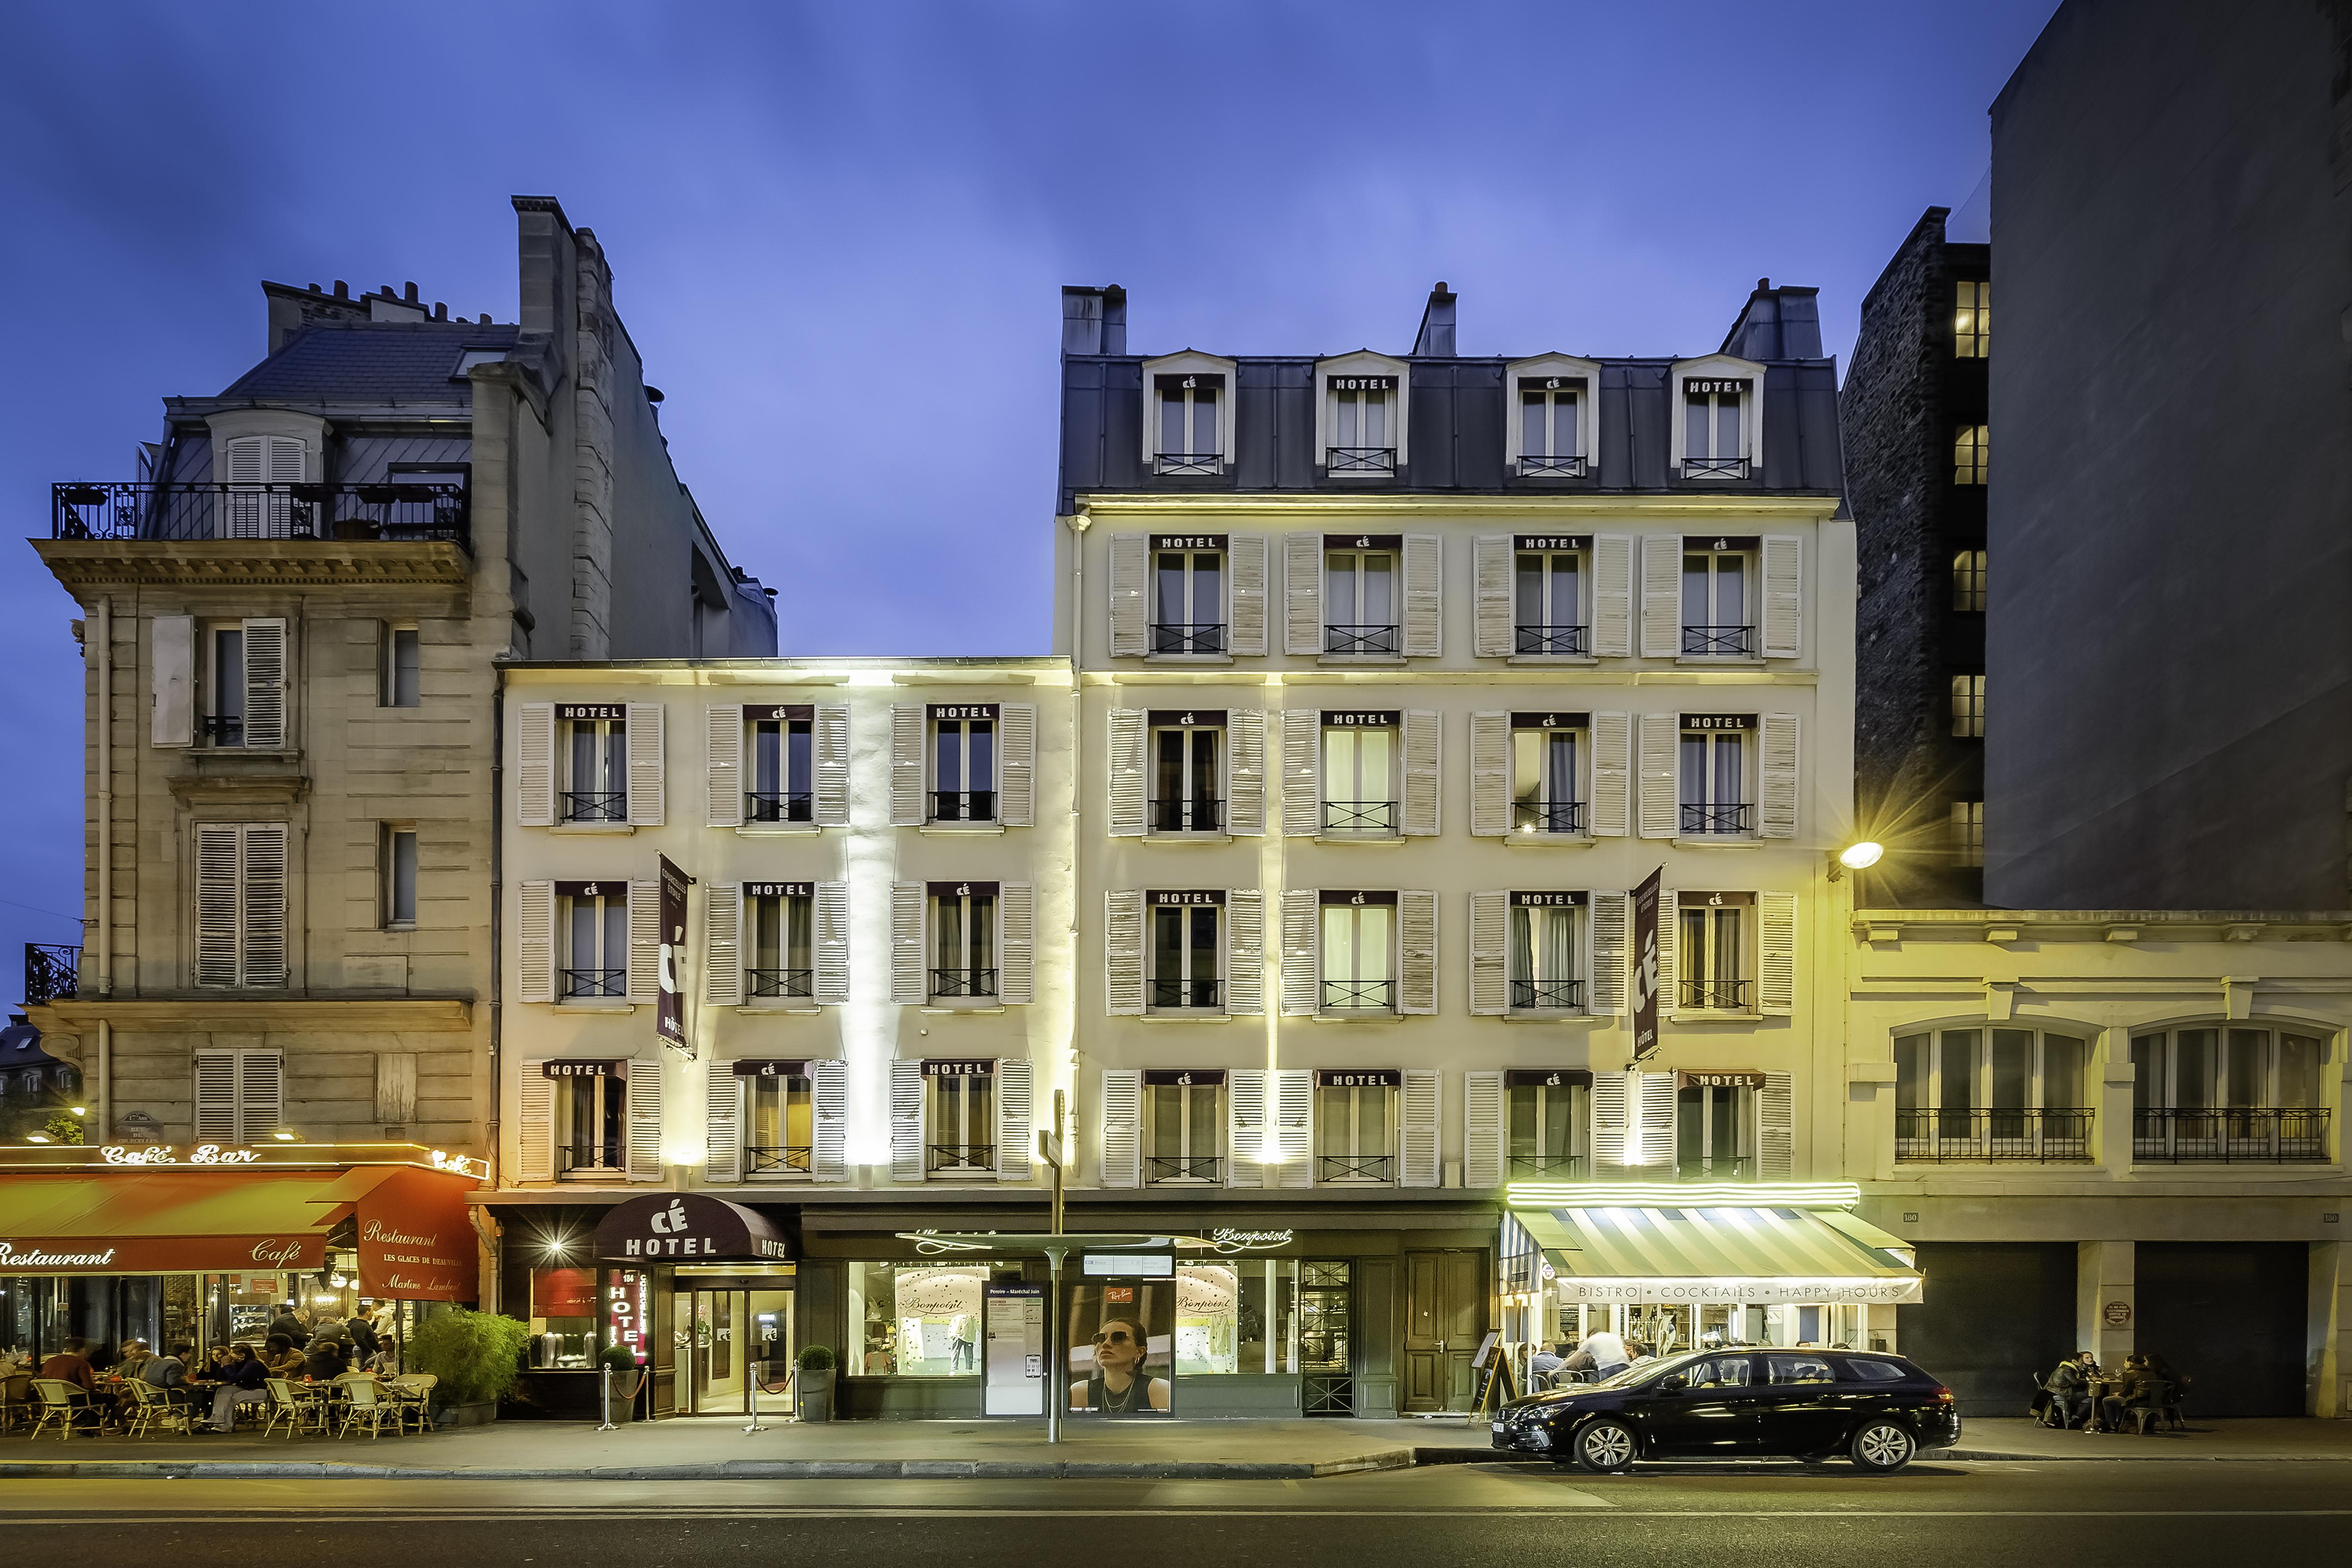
466	1415
812	1395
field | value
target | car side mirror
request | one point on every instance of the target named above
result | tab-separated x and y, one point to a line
1673	1382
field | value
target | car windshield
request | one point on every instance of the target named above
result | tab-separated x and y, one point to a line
1643	1371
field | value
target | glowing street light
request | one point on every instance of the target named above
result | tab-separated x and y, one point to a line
1860	856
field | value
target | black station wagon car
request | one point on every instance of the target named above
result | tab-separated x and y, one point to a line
1877	1409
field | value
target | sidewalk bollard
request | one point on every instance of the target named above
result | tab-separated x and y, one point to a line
752	1371
605	1398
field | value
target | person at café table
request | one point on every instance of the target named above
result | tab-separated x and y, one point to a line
2126	1390
279	1355
285	1323
71	1364
169	1372
136	1353
242	1383
2070	1388
326	1361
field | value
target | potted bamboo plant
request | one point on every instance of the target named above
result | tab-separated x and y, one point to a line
477	1356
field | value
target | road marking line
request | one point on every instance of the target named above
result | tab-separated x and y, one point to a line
672	1515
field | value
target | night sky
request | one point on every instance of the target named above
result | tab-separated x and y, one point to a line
812	211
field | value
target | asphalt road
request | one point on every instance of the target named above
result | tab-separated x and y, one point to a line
2084	1515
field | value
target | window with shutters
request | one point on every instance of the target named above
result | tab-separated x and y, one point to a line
1358	933
239	1096
1548	756
1185	951
959	1111
397	849
1360	602
1184	1113
779	1125
399	668
1718	597
963	764
1549	612
595	749
778	941
1188	786
1715	962
1714	791
241	925
2233	1094
1968	582
260	473
1552	437
1971	318
1967	832
1967	707
780	783
1715	1131
1361	426
1547	954
1188	594
1716	428
591	1124
1547	1124
1993	1095
595	942
1355	1128
1360	774
964	942
1972	454
1188	417
221	686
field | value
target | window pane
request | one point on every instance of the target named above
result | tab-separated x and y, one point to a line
2298	1070
1726	426
801	935
1695	602
1523	955
228	673
1532	440
1694	780
767	758
1208	604
1730	780
1379	590
1731	591
2061	1071
1333	1127
1372	942
1559	772
1167	949
1527	595
1562	944
1205	783
1205	422
583	934
1168	607
979	755
2148	1072
1343	420
1526	765
1523	1120
1696	425
405	666
1564	425
584	757
2012	1067
1957	1080
800	764
404	876
2195	1067
1171	422
1340	589
1567	601
2248	1067
617	758
1376	421
1202	971
1911	1072
947	771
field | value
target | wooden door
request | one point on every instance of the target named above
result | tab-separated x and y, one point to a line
1445	1310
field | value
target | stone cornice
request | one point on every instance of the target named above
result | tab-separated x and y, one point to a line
257	1015
254	563
1486	506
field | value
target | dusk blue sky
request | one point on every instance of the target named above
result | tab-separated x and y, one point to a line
812	209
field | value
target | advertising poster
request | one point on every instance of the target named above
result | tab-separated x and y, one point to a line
669	1005
1646	965
1121	1344
1013	1355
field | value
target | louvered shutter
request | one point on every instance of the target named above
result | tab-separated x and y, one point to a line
1123	1127
645	781
264	684
1670	975
395	1087
1302	951
1302	772
1291	1108
1490	774
723	944
262	906
1127	772
1784	580
245	460
1015	1120
833	765
1610	1125
906	1121
1417	953
1245	1129
535	942
535	764
1246	553
218	926
1245	951
1131	578
216	1097
1776	1128
1424	596
1662	596
1417	1129
1776	947
1496	560
288	460
1612	596
1777	763
1658	1118
1016	786
1302	594
722	1155
1605	958
1425	772
1490	955
831	944
1016	939
645	1120
644	942
906	727
1660	779
261	1095
724	723
1245	770
1612	774
1122	953
829	1099
1482	1130
909	986
535	1130
172	661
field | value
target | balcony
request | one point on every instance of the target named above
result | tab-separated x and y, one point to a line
1547	816
586	1161
777	1160
1359	460
1714	467
1355	1168
1547	996
1719	641
1556	467
1358	996
781	983
964	985
963	806
1359	816
773	807
1368	638
959	1159
1549	1167
2012	1136
1716	996
1551	640
383	513
1162	1169
1194	996
2234	1134
52	973
593	984
1178	637
592	806
1194	816
1728	820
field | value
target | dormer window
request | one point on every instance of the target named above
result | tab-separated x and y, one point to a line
1189	415
1713	429
1551	429
1362	414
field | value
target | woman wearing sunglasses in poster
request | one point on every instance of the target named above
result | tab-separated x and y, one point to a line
1121	1383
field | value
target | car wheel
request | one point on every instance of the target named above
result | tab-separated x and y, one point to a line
1882	1446
1606	1446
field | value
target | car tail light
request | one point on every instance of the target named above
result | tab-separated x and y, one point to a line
1943	1394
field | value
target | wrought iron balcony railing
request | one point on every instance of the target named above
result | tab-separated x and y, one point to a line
2232	1135
1193	816
1715	996
1190	461
1368	637
593	1157
1355	1168
1359	459
1736	642
779	806
777	1159
782	982
374	513
1358	996
593	806
1556	467
593	982
1184	1168
958	1157
964	805
1714	467
1547	816
1181	993
1728	818
1188	636
1716	1167
964	985
1563	996
52	972
1551	639
221	729
1555	1167
1359	816
2012	1136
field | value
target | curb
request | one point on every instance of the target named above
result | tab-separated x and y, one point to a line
730	1470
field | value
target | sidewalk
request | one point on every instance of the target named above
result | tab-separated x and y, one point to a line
1984	1438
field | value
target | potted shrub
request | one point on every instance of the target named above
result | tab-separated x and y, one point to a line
477	1356
812	1393
627	1378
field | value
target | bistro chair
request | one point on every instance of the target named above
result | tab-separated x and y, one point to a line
62	1403
370	1408
302	1409
2147	1410
154	1407
411	1398
17	1401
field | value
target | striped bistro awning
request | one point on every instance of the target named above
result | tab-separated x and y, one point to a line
1766	1255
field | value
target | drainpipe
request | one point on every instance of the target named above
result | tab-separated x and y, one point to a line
1079	522
498	921
105	862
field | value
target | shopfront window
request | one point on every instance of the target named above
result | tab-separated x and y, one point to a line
919	1319
1236	1316
563	1318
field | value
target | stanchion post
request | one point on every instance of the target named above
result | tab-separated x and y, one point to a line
605	1399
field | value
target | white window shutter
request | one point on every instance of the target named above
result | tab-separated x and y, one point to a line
1016	958
1245	1129
1130	578
1424	596
1015	1120
1302	594
1612	596
535	942
1123	1127
1612	775
1611	1124
1605	934
242	456
1496	561
1482	1130
909	986
171	660
262	906
1416	952
1490	953
535	1131
1302	772
829	1097
1123	953
535	764
831	944
264	684
906	1121
1777	763
1662	596
1016	784
216	1097
288	460
1776	1128
1490	774
261	1095
645	1120
1425	772
1245	638
1661	777
645	781
1783	573
832	765
723	944
1670	975
1245	770
1245	951
219	928
1657	1113
1776	952
1127	772
724	723
1291	1108
1302	951
906	727
1418	1140
722	1117
644	942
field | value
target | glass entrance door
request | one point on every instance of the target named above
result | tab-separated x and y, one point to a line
724	1333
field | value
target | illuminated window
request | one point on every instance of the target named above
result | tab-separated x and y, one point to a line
1969	707
1972	454
1968	580
1972	320
1967	832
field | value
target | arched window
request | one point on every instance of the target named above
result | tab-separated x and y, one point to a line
2228	1093
1990	1093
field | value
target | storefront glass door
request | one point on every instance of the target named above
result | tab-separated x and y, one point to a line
721	1336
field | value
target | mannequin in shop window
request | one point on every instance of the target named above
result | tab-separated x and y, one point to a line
1118	1384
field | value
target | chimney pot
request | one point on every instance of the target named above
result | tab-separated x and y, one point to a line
440	310
316	289
1763	283
485	318
342	289
410	295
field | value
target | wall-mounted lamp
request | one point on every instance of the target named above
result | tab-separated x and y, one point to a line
1859	856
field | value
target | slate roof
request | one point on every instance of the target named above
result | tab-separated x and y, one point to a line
380	362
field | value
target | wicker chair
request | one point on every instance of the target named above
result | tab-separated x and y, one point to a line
62	1403
412	1396
17	1401
154	1407
369	1409
302	1409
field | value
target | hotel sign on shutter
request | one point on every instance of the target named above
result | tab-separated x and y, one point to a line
1646	965
1188	718
962	889
590	713
984	1067
1188	541
1718	1080
779	713
1363	541
1184	1077
1694	386
1361	897
1547	900
1547	1078
1718	721
1552	541
580	1070
592	890
1188	898
1723	541
953	711
764	1069
1362	718
1359	1077
1521	719
779	890
1361	383
669	1000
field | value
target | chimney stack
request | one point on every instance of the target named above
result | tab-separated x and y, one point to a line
1436	335
1094	320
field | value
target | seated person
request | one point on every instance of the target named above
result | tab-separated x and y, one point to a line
1546	1363
71	1364
2070	1388
326	1360
2129	1391
169	1374
242	1380
279	1355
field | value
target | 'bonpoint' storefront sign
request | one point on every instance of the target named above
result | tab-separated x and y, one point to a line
1762	1292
